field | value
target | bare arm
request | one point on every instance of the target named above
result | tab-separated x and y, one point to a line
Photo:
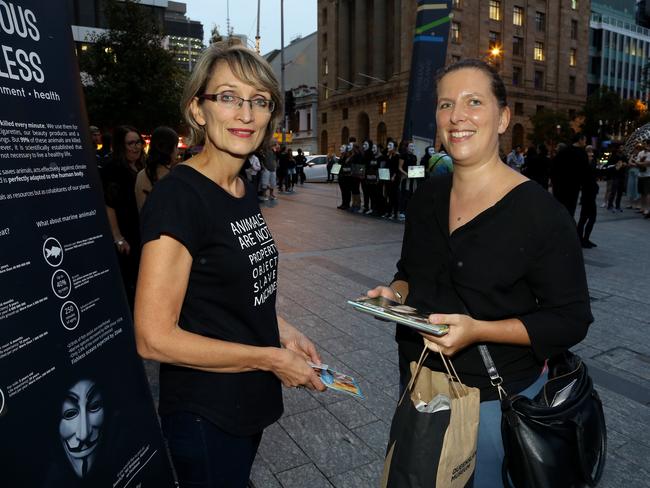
164	272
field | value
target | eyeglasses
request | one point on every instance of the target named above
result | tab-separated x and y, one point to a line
261	105
134	143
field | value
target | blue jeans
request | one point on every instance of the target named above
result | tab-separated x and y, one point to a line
205	456
489	452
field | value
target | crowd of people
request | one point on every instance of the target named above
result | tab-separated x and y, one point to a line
574	171
387	176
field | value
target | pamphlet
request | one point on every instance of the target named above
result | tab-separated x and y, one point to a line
337	381
336	169
385	308
416	171
384	174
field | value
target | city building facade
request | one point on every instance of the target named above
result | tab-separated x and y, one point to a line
540	48
619	49
184	37
300	80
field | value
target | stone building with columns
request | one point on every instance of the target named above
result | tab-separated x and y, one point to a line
364	50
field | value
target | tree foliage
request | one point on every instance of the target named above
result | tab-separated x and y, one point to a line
546	130
132	79
603	112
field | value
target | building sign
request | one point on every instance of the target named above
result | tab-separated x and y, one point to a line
429	53
75	407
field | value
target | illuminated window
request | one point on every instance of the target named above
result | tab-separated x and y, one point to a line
517	46
538	52
572	57
383	107
518	15
495	10
540	21
457	4
455	32
574	4
326	68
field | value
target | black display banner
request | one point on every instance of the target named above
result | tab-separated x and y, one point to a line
75	407
429	52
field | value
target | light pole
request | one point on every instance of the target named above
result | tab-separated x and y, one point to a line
284	118
257	36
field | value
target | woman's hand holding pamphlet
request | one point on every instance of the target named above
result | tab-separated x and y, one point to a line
384	308
337	381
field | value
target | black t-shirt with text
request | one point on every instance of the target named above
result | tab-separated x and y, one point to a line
230	296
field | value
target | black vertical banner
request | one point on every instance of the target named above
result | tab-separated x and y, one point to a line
429	52
75	408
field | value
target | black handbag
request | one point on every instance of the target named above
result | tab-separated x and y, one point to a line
558	438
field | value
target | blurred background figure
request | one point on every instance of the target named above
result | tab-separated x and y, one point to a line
163	155
118	177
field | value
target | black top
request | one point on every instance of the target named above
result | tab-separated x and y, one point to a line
300	160
118	180
230	296
520	259
569	168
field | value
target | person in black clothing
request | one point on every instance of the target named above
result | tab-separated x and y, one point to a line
344	178
392	186
492	255
366	185
569	170
588	208
357	175
284	179
119	179
616	171
372	187
537	165
209	254
407	185
301	161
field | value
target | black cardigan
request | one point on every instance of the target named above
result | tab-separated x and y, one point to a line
520	258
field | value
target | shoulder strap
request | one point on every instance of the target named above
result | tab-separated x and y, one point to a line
495	378
437	161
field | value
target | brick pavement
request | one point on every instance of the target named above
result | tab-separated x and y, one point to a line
328	256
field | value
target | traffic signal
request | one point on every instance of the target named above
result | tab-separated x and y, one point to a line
289	103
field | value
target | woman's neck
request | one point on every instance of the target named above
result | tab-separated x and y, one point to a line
470	180
221	167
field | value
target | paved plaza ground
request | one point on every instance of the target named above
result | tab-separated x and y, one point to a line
328	256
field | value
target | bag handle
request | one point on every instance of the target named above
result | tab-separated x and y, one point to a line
454	380
414	376
495	378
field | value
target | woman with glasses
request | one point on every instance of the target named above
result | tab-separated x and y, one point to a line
119	177
208	251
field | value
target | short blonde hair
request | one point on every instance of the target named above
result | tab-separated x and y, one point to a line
248	66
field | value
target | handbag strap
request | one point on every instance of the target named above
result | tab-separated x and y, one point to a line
495	378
